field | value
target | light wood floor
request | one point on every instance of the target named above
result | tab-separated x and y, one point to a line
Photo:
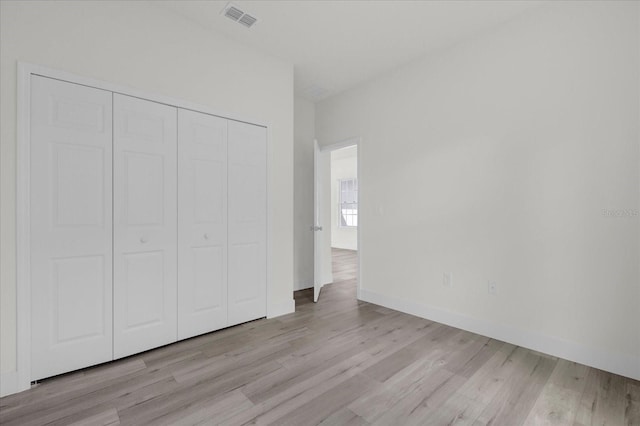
336	362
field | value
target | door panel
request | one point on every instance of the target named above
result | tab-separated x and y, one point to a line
202	218
322	270
142	278
209	185
144	190
244	259
145	226
71	232
78	292
78	174
209	283
247	222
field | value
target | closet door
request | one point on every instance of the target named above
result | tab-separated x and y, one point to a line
70	179
247	189
145	227
202	223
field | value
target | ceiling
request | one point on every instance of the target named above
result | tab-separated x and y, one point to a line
335	45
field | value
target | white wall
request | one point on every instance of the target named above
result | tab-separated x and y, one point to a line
304	135
141	45
494	161
344	165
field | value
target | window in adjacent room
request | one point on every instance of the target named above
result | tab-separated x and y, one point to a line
348	203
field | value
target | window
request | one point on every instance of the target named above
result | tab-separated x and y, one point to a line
348	202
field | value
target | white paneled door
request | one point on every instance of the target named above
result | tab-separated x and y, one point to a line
145	225
70	224
202	223
247	198
148	224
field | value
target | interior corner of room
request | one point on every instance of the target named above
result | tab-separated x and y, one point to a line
491	163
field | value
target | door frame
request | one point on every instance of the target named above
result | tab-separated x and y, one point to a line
346	143
22	379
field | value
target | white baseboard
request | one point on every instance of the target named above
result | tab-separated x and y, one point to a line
8	383
624	365
281	308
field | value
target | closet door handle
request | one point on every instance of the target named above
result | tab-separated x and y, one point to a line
143	240
206	236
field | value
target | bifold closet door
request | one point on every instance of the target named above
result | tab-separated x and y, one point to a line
70	227
202	223
145	225
247	198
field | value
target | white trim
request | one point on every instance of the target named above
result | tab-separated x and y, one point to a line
23	281
23	213
358	232
624	365
269	217
9	383
282	308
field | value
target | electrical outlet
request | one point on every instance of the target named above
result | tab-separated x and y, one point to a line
493	288
447	279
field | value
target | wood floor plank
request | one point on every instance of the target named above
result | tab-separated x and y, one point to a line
604	399
560	398
323	406
359	337
117	395
70	385
212	368
95	393
516	397
212	410
105	418
131	398
409	381
466	362
474	395
298	394
632	408
191	393
336	362
410	353
283	381
344	417
417	406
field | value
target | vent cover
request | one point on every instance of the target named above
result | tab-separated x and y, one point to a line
247	20
232	12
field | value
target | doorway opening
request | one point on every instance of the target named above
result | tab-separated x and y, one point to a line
344	218
337	219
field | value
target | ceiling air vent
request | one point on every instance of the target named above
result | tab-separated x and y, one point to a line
247	20
233	12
